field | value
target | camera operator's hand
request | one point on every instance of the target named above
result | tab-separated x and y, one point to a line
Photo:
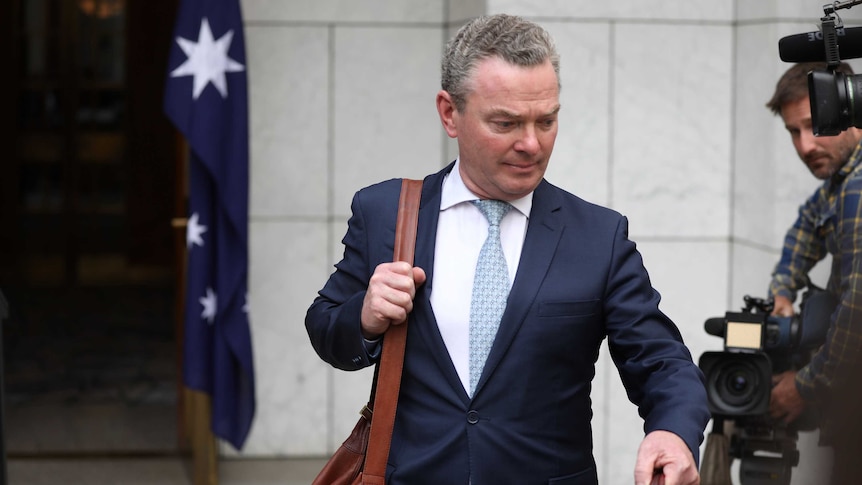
782	306
785	403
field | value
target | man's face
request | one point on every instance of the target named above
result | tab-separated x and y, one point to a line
823	155
507	129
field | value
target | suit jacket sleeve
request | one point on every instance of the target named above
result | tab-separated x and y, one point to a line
655	366
333	320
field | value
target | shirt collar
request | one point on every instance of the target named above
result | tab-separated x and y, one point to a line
455	192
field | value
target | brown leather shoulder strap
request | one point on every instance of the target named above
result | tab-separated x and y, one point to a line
392	357
408	219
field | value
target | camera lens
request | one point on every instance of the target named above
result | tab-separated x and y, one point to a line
836	101
738	382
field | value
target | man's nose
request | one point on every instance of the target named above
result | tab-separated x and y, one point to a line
807	142
528	142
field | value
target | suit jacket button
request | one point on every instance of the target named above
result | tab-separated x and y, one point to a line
473	417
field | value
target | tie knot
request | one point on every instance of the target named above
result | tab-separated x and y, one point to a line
494	210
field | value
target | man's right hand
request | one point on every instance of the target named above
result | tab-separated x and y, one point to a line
389	298
782	306
785	402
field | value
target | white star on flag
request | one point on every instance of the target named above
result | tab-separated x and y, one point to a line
207	61
209	304
194	230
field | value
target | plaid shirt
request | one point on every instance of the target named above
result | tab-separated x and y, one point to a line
830	221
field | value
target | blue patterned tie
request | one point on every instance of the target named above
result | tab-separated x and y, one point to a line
490	289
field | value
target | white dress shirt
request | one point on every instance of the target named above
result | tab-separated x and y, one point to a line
461	231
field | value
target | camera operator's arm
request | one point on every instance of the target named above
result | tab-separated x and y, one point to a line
840	354
803	248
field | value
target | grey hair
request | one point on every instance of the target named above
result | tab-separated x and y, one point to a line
513	39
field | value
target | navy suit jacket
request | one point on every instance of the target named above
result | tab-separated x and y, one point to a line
580	280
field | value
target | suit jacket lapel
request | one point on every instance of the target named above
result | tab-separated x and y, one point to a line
543	234
425	326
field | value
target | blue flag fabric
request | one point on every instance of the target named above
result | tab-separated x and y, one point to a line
206	97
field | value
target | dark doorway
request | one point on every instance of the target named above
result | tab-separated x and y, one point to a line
87	252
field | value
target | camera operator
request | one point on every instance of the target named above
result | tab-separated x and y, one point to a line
830	221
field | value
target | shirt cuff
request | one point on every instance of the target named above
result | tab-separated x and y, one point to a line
372	347
805	384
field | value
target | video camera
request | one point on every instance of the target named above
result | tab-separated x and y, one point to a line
836	98
757	346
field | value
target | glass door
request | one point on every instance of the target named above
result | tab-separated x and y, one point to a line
71	143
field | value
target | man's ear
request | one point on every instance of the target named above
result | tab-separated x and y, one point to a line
447	111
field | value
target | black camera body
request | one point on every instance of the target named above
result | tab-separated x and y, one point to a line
835	97
758	345
738	379
836	101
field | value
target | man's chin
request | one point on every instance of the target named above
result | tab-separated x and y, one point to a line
820	172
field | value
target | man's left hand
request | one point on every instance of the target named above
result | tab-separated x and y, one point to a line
785	403
664	459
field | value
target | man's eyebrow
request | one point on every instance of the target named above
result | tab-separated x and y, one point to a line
501	112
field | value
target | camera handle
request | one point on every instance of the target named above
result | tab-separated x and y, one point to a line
758	305
830	23
830	8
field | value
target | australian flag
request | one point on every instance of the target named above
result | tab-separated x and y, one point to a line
206	97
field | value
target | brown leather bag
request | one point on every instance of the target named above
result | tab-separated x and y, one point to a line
345	465
361	459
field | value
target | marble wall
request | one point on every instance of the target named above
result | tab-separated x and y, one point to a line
663	119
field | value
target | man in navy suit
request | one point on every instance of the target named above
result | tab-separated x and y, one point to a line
575	280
